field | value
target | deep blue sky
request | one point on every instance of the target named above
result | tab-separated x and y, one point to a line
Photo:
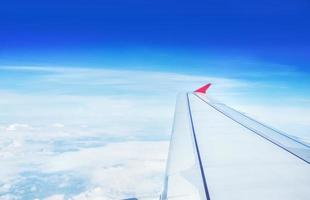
155	33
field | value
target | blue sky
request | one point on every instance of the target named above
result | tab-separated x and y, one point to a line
81	80
235	39
61	31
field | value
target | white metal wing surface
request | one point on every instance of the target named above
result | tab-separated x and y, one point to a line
219	153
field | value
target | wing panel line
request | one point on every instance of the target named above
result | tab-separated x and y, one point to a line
266	126
197	149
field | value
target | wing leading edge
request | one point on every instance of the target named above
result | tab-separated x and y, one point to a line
217	152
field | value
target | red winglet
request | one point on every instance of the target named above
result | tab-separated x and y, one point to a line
204	88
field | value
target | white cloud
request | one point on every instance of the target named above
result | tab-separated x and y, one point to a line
83	121
134	80
58	125
142	102
55	197
120	169
114	171
14	127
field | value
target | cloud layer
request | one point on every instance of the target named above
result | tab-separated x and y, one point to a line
86	133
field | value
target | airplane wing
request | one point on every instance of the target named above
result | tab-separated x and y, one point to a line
218	153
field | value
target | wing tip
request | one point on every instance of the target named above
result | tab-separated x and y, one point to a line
203	89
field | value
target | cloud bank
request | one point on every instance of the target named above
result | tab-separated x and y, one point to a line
87	133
